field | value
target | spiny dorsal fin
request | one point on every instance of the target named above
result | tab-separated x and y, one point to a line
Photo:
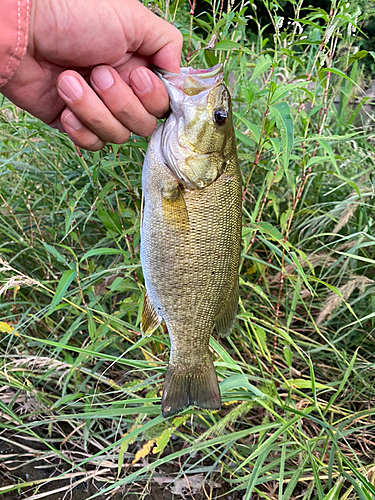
150	319
225	319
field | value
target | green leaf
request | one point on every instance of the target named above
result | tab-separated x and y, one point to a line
327	148
351	183
111	220
359	55
68	219
301	383
284	123
92	326
333	493
316	160
318	483
315	110
255	473
236	381
268	229
249	90
254	129
280	92
301	272
342	383
261	338
360	477
66	399
296	294
107	188
162	441
268	444
227	45
288	355
295	478
210	57
102	251
64	283
247	140
123	449
276	146
262	65
223	354
339	73
60	258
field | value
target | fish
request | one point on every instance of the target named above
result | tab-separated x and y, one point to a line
191	233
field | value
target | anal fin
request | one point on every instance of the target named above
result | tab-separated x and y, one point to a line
225	319
150	319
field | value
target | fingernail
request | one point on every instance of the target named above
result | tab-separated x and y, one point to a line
140	79
102	78
70	87
72	121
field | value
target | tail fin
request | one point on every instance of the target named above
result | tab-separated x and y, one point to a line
184	387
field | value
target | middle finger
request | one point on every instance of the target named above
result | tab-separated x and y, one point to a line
122	101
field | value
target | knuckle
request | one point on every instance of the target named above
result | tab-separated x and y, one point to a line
87	140
98	120
149	128
117	133
94	146
179	37
126	109
121	137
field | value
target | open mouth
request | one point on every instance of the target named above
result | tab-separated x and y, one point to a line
203	73
192	81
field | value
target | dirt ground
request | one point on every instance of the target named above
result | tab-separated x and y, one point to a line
78	488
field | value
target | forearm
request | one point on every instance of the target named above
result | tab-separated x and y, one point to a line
14	30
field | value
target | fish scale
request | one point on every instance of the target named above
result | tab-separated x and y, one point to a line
190	248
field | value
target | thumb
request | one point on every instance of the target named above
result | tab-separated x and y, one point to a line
161	42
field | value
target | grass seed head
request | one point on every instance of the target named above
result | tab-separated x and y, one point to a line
334	300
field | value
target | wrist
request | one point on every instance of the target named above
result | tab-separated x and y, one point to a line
30	45
14	27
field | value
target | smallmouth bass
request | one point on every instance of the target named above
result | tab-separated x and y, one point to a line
191	233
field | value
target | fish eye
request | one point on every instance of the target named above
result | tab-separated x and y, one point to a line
220	116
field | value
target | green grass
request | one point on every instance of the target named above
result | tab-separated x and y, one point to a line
80	387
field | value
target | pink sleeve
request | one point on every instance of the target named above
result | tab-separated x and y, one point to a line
14	30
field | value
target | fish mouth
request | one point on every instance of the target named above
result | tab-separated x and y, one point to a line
203	73
191	81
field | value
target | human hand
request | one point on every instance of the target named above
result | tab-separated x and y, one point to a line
109	43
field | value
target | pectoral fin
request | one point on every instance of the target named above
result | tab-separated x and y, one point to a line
150	319
174	207
225	319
